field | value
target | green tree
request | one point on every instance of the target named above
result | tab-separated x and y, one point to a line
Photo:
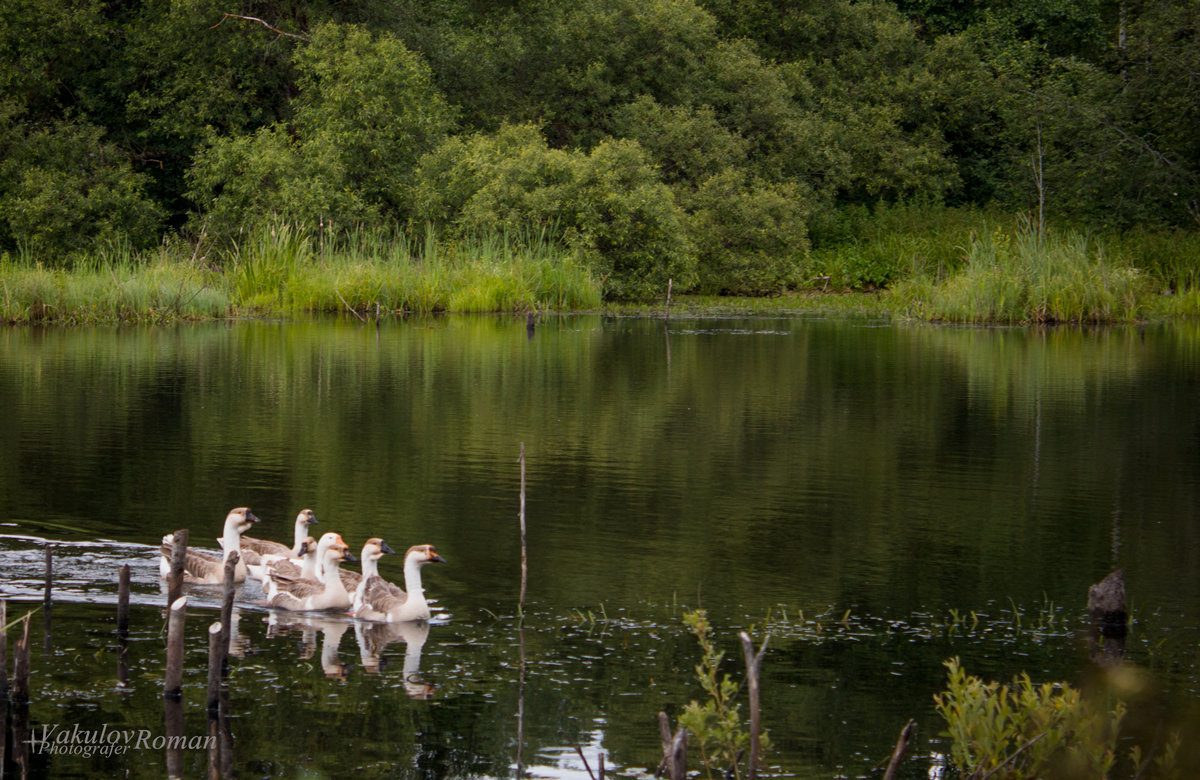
608	205
65	190
365	112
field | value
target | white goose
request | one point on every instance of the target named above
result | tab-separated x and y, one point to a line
300	595
208	568
379	600
254	549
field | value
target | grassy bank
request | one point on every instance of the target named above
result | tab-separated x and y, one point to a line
916	262
284	271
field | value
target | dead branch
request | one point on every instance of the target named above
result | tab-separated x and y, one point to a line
275	30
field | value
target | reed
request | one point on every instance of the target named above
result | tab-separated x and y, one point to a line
1024	277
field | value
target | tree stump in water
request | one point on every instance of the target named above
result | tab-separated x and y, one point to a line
1106	606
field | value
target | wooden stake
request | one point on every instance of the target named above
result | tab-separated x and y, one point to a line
524	555
173	686
49	572
898	752
3	651
667	313
178	557
173	725
674	761
753	662
20	683
123	601
216	664
228	587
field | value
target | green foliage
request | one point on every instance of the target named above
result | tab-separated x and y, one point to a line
366	110
750	236
1025	730
670	139
64	190
609	206
717	723
1024	277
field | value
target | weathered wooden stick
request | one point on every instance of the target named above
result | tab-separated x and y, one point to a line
667	313
674	761
173	686
122	662
216	663
524	555
20	683
178	557
49	571
3	650
228	587
123	600
898	752
753	662
173	725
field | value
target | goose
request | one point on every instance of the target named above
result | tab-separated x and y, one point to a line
307	568
378	600
299	595
253	549
207	568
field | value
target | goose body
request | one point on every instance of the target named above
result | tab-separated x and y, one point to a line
306	568
378	600
208	568
300	595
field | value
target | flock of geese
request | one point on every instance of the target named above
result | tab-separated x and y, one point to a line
308	576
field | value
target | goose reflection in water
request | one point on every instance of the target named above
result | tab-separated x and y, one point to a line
331	630
374	637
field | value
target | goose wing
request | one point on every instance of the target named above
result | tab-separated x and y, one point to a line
200	564
382	596
295	587
265	547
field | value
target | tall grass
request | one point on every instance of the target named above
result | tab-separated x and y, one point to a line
1024	277
121	288
283	269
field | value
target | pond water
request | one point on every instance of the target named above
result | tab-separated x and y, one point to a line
876	497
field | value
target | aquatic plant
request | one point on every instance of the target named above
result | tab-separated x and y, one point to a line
1025	730
717	723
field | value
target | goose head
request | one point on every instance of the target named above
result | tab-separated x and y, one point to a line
421	554
375	548
241	519
336	553
306	518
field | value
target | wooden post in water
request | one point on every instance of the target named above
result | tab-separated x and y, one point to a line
227	588
49	572
3	653
753	662
173	685
524	556
20	683
216	663
674	761
178	557
123	601
173	725
667	313
898	752
46	643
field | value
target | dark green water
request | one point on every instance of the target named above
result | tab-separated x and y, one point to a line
850	486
